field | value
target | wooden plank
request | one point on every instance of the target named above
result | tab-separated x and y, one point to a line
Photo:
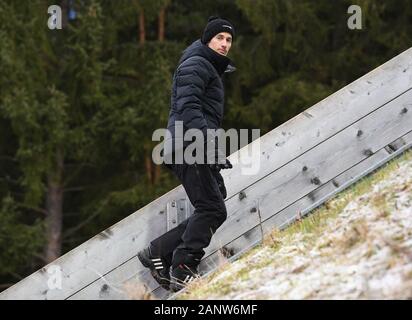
177	211
171	212
117	285
99	255
317	166
304	205
324	119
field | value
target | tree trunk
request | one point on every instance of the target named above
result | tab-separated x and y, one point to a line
65	9
148	165
156	174
54	207
162	15
142	30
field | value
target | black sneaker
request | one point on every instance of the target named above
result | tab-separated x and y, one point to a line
158	268
182	275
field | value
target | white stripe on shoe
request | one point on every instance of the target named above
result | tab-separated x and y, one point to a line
158	264
188	279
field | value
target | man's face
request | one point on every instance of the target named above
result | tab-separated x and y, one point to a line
221	43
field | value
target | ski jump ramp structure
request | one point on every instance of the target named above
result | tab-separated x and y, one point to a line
303	163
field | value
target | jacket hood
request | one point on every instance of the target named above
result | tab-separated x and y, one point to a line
220	62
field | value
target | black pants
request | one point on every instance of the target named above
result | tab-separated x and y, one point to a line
205	189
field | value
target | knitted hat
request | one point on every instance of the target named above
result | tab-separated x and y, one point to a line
216	25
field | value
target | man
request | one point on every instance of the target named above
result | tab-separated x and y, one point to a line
198	102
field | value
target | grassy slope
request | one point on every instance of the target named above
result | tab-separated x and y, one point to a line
356	246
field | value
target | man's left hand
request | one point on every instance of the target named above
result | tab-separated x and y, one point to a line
219	166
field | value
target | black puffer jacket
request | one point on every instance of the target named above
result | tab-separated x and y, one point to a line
197	93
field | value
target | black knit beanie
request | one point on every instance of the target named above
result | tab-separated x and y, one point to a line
216	25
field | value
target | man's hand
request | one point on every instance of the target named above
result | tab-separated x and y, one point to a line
226	165
218	166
